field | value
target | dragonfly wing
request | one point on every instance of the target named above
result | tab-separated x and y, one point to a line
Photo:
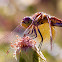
8	37
45	31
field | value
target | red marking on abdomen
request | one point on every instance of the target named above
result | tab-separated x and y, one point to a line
55	20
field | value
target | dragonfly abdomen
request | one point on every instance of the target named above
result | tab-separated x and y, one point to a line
56	22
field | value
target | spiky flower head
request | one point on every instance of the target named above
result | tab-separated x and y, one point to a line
26	48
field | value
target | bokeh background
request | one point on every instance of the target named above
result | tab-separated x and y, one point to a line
11	14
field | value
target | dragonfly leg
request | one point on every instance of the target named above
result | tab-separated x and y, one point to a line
35	32
34	29
27	33
27	29
50	32
41	40
31	31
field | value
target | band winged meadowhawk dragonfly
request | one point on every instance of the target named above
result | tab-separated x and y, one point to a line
40	26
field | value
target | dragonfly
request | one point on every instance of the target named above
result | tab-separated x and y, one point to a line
38	19
41	24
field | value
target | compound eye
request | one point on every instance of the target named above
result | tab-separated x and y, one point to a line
27	20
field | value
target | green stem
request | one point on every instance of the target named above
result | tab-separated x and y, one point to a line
28	55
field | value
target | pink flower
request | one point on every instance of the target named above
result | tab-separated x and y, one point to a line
24	42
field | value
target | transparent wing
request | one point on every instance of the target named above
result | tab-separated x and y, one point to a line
6	51
12	35
45	31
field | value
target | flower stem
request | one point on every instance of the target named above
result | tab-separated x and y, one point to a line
30	55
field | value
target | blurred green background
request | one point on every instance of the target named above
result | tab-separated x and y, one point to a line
11	14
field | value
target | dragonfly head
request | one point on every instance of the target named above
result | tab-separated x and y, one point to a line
26	22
